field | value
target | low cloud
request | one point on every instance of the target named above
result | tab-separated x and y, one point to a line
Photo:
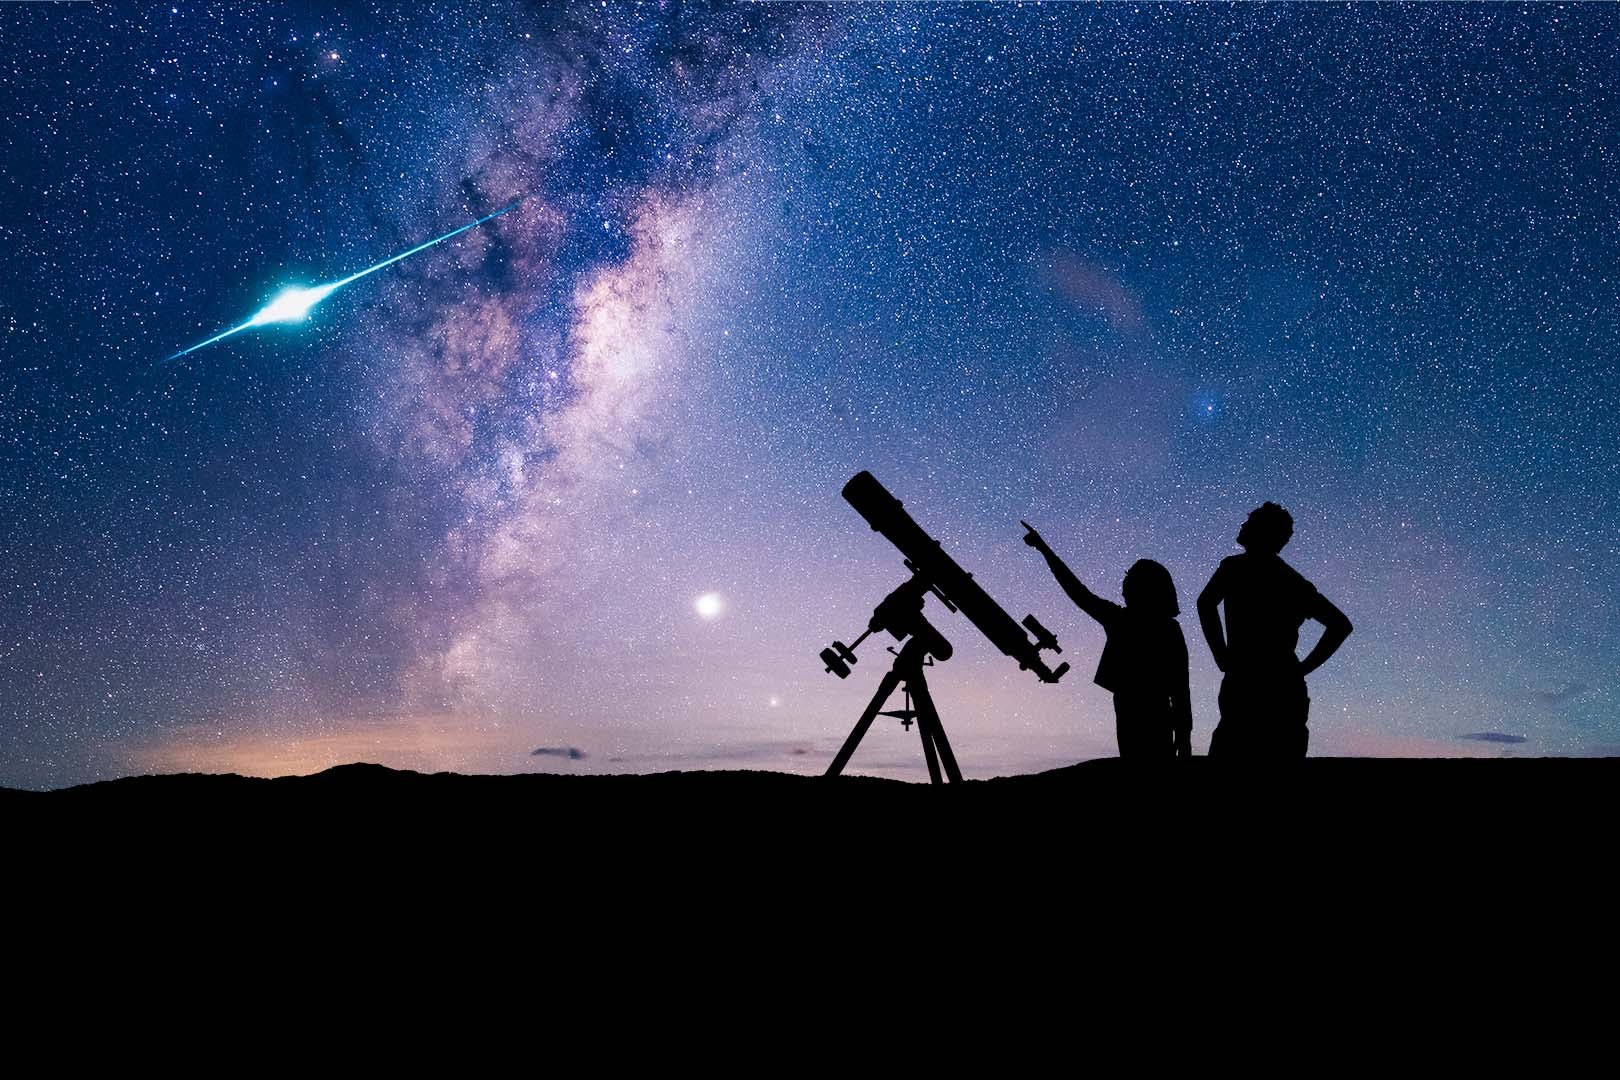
1552	699
572	753
1494	737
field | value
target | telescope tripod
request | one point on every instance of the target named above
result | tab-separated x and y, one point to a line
908	671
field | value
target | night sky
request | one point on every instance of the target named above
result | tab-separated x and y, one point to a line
1125	272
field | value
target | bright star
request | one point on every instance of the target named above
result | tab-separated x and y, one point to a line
709	605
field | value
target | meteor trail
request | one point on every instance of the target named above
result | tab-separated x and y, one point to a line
293	303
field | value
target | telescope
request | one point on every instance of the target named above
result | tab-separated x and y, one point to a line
900	614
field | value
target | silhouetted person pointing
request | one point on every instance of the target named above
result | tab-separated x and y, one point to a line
1264	704
1144	662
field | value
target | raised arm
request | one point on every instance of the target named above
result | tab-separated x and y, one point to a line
1338	628
1086	600
1209	617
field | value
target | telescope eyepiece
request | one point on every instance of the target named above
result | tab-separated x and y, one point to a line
1044	638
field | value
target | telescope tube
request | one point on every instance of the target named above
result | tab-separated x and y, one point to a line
886	515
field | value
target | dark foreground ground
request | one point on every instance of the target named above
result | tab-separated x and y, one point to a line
1187	813
780	873
1337	787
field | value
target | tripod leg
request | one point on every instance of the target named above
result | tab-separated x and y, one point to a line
886	686
946	754
928	748
933	732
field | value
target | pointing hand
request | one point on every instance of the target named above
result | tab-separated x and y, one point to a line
1033	538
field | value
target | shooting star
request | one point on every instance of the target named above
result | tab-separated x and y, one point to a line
294	303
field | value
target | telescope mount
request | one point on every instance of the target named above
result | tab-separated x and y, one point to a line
907	674
900	613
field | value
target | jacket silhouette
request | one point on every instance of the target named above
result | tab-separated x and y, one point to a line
1144	661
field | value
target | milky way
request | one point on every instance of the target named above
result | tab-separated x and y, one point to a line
1124	272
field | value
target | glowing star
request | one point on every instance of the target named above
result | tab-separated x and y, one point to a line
709	605
293	304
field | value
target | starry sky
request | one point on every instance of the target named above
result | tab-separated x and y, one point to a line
1123	271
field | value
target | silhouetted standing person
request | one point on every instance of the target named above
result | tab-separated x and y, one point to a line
1144	662
1264	704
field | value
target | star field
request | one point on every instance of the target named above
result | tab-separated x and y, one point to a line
571	479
